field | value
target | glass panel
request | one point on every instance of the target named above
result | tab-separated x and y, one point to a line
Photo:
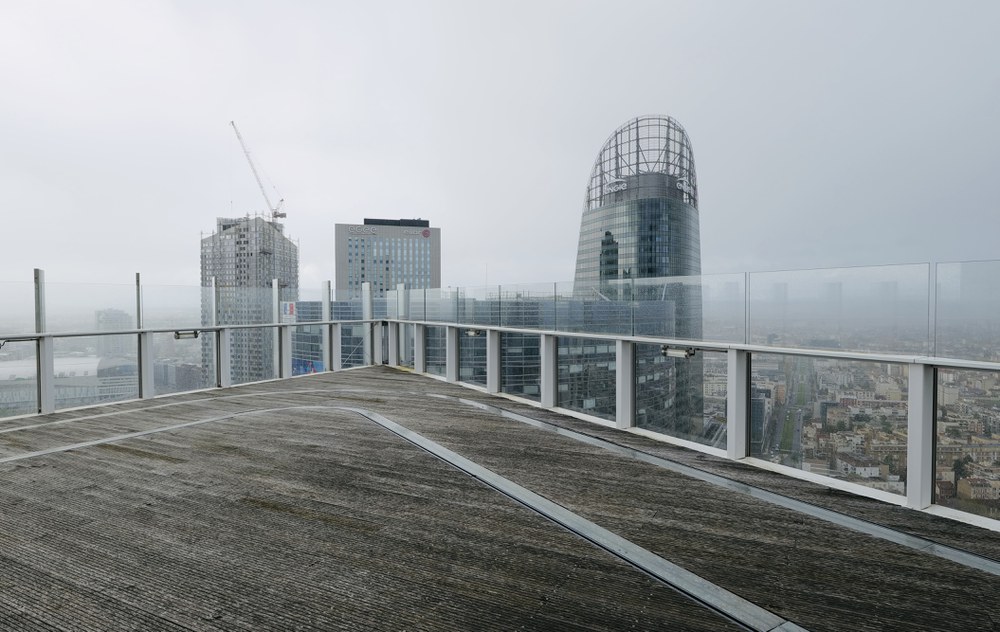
181	306
307	349
521	366
681	397
587	374
435	353
472	356
967	465
18	378
252	354
876	309
18	314
723	300
527	306
406	343
183	365
352	346
441	305
89	307
968	310
478	306
840	418
594	310
244	305
103	369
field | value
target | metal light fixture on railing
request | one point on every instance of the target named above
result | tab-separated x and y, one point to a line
185	335
677	352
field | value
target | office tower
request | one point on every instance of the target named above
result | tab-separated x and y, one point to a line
640	222
385	253
640	216
243	256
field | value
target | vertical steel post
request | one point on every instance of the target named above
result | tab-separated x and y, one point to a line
624	384
276	361
223	358
45	351
549	371
419	349
327	330
145	348
494	363
366	314
737	400
920	435
451	354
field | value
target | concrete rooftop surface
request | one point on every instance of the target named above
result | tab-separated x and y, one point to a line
377	499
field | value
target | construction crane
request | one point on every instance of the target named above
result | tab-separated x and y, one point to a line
276	212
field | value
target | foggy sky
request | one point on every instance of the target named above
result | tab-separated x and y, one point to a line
824	133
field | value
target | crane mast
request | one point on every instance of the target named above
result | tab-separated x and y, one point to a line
275	210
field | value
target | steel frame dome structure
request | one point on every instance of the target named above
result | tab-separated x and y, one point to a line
645	144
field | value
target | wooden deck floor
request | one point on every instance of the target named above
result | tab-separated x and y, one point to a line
274	509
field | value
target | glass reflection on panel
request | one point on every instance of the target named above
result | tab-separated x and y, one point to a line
435	353
587	373
520	365
472	356
846	419
681	397
967	459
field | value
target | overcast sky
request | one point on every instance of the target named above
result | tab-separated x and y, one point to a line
825	133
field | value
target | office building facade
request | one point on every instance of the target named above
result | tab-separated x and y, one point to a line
640	223
385	253
243	256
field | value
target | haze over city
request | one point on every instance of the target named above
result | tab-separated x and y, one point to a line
825	134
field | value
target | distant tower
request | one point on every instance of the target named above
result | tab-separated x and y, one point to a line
385	253
244	255
643	194
640	221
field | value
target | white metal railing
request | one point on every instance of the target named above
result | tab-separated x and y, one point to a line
386	337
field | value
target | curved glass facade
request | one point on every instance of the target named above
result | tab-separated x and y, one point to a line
640	221
640	215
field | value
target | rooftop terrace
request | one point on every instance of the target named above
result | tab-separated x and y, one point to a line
376	498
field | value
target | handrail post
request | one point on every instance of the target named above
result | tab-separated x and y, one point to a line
145	348
223	358
336	360
624	384
366	315
737	398
493	361
419	349
45	352
276	361
326	331
451	354
393	343
549	371
285	350
920	436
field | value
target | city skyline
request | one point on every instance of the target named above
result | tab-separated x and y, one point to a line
854	134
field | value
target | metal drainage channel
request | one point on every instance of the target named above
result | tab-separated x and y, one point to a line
714	597
959	556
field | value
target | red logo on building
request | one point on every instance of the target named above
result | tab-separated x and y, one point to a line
426	232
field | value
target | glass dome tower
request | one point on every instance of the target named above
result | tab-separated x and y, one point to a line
640	215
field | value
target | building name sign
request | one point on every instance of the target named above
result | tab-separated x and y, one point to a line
685	186
618	185
369	230
423	233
